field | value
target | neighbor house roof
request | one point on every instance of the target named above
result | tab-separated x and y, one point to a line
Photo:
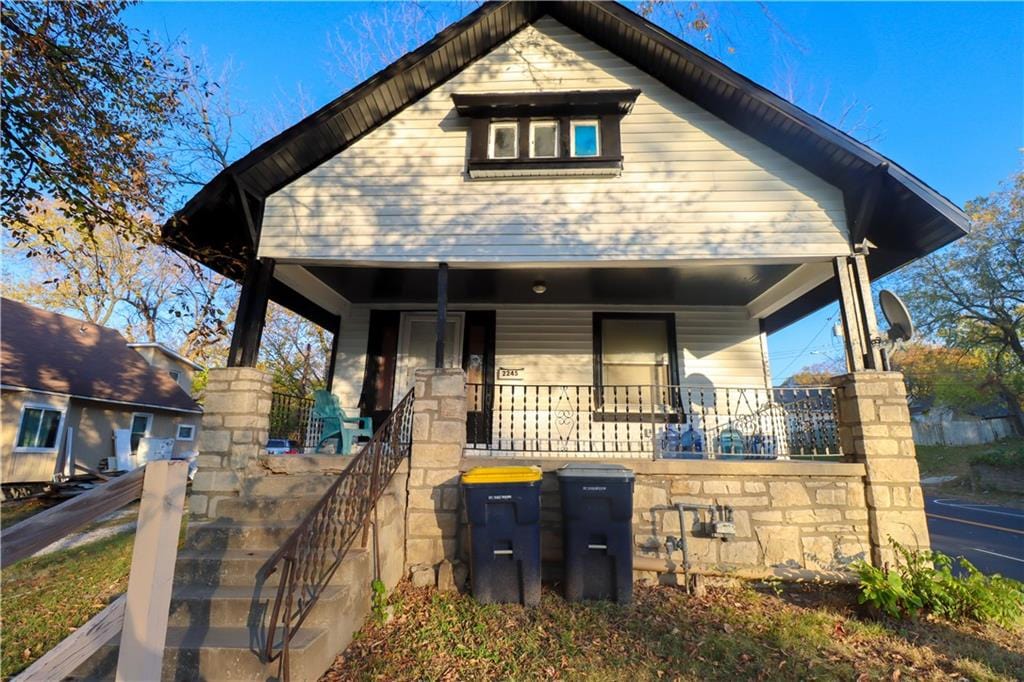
44	351
900	214
168	352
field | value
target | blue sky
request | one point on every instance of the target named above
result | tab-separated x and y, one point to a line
940	86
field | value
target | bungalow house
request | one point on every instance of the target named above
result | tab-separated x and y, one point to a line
75	392
553	231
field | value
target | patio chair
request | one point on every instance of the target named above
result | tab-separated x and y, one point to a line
327	409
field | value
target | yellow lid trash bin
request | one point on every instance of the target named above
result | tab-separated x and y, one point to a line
503	509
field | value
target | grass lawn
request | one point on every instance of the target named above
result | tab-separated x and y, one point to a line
950	460
735	632
46	598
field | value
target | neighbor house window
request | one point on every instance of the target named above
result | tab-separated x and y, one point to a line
635	360
503	142
141	424
175	374
584	139
186	432
543	139
39	428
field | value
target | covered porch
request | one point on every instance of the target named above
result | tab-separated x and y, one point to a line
609	362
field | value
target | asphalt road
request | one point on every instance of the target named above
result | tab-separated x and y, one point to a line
991	537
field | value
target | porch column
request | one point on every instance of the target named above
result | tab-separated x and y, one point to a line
874	428
251	314
438	439
442	313
236	421
857	310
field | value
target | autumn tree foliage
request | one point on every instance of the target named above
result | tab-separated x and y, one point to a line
970	295
84	102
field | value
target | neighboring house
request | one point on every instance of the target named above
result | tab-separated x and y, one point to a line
579	200
67	386
939	425
180	368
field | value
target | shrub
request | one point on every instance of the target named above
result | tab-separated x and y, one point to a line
932	582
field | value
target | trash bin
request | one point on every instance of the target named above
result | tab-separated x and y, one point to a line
503	509
597	527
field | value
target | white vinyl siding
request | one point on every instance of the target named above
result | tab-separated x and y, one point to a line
350	361
555	345
692	186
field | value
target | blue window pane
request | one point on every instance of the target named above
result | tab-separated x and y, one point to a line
585	140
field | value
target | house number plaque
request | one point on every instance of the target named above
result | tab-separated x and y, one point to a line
511	374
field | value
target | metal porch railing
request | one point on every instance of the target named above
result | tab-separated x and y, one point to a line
684	421
315	549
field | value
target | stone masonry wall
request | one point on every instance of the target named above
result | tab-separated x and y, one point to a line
236	420
792	519
874	428
438	438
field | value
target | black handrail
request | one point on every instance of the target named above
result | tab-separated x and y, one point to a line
314	550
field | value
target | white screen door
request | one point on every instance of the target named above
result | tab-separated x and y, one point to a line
416	344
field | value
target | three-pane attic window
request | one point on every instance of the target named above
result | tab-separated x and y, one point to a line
545	133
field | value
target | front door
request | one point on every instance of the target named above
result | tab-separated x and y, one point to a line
417	338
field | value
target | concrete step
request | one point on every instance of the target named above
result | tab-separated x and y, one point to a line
237	567
282	486
213	536
241	606
255	509
218	654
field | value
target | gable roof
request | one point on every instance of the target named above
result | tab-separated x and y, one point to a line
169	353
44	351
885	203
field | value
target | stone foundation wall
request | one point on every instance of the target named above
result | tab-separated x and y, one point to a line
792	519
236	421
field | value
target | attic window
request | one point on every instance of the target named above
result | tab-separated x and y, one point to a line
543	139
586	138
545	133
504	140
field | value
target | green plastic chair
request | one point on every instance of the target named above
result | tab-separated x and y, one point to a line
327	408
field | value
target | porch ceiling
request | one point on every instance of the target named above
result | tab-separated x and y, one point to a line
690	285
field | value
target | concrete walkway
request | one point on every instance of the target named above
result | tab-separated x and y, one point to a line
92	535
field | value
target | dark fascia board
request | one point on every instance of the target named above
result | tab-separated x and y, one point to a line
571	102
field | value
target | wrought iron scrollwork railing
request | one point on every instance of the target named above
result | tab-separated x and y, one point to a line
314	550
684	421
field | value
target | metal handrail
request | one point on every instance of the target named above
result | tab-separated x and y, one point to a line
313	552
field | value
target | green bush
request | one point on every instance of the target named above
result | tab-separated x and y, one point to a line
1003	459
928	581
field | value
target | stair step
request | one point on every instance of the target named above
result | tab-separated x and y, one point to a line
255	509
236	567
327	465
219	653
283	486
213	536
241	606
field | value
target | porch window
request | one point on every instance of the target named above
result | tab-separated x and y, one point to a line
39	428
503	141
635	361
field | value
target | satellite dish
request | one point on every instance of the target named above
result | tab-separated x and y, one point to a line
901	327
